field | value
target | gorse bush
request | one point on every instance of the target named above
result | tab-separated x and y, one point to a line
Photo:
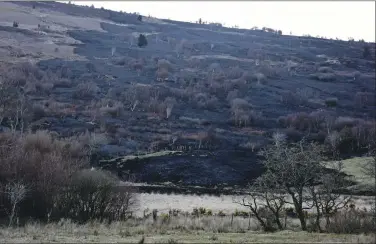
331	102
142	41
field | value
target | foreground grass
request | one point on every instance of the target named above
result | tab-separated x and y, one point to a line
106	235
159	232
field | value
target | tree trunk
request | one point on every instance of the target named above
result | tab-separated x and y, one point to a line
302	219
318	215
327	221
278	221
11	217
261	221
299	211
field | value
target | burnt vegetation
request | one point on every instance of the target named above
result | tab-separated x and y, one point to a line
208	106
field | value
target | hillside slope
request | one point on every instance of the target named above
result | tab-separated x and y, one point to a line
214	94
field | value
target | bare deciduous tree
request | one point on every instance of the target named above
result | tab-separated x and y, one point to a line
135	105
260	78
293	169
299	171
96	194
170	103
16	192
240	110
13	107
131	40
17	121
265	202
179	48
279	138
325	198
334	140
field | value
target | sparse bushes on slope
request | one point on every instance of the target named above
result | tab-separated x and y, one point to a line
18	75
137	65
239	104
354	134
272	71
219	76
235	72
164	68
86	90
164	64
242	113
20	83
113	109
364	99
205	101
183	47
149	98
300	121
293	98
204	139
119	61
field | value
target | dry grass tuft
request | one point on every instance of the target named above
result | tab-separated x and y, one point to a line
168	230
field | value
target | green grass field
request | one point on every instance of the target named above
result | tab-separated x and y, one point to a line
354	167
141	156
